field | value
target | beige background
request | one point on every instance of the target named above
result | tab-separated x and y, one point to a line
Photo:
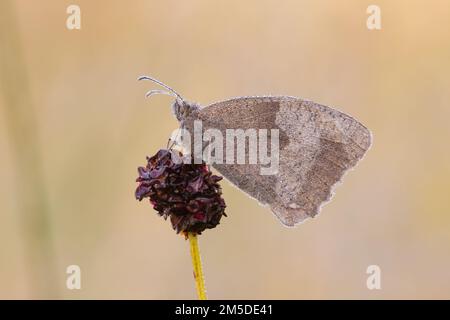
74	126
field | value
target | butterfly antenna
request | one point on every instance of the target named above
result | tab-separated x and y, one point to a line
152	92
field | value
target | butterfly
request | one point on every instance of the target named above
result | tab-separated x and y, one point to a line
317	146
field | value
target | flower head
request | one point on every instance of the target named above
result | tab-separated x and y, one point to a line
187	193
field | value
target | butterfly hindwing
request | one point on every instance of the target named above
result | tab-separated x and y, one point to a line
317	145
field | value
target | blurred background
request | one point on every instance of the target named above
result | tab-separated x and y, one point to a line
74	126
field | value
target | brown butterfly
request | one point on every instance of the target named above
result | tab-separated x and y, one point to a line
317	145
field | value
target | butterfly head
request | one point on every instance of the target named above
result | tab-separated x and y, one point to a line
181	108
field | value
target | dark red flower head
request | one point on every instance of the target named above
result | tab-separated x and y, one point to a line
187	193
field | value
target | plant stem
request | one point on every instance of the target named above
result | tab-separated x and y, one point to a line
197	265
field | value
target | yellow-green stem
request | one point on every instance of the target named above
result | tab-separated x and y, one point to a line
197	265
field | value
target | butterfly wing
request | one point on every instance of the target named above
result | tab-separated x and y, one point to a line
317	145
